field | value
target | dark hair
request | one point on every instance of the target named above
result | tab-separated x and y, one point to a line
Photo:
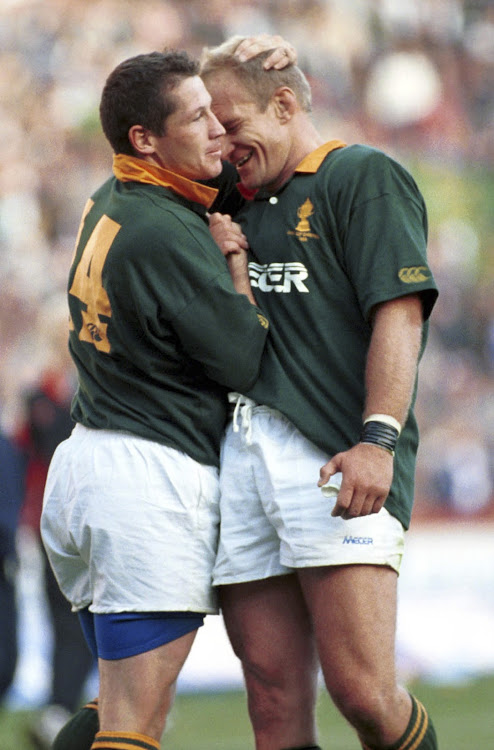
139	92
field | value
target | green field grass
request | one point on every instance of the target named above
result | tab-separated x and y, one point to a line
463	715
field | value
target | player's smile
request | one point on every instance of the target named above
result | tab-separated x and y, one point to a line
240	163
253	141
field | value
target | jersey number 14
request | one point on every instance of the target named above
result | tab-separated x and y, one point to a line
87	285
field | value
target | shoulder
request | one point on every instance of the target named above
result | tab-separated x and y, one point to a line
156	212
103	190
365	171
365	159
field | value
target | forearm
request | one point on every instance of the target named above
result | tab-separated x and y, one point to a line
392	358
239	271
233	244
390	380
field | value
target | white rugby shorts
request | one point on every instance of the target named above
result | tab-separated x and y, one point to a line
274	517
130	525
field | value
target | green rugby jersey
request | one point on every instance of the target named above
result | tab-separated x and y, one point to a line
346	232
158	332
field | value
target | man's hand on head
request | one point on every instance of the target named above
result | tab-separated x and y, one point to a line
283	54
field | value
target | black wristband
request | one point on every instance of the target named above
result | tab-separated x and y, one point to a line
380	434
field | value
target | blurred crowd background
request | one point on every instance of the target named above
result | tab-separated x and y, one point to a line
413	77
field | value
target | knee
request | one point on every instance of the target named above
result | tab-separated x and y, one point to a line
364	704
278	695
268	704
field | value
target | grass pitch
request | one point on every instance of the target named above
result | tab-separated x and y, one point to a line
463	716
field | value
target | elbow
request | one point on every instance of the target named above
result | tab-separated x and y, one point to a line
247	380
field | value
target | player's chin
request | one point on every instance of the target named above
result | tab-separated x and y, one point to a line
249	178
213	166
250	184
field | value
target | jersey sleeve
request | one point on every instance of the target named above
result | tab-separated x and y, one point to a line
225	333
182	286
385	244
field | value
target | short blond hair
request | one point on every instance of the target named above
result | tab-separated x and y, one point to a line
260	83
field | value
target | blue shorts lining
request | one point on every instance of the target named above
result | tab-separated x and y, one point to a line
123	634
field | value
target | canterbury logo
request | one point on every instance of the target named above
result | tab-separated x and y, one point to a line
414	274
278	277
262	320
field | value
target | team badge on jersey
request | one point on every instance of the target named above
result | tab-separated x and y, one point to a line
303	228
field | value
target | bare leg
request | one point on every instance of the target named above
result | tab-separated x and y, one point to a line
353	610
270	632
137	693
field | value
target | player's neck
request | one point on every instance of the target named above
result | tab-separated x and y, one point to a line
305	140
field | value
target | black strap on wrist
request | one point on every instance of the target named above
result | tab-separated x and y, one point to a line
378	433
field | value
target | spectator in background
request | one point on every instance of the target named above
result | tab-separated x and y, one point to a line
46	423
11	490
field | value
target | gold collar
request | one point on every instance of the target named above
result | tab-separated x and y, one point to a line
131	169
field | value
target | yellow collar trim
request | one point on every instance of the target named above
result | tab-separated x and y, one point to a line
313	161
131	169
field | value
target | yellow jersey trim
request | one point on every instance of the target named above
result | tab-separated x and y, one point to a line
132	169
313	161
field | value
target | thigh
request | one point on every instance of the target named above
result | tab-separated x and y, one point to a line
269	627
353	609
270	630
136	693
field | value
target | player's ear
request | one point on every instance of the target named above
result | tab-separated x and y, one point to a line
141	139
285	103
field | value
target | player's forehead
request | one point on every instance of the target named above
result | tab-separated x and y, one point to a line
230	99
190	95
